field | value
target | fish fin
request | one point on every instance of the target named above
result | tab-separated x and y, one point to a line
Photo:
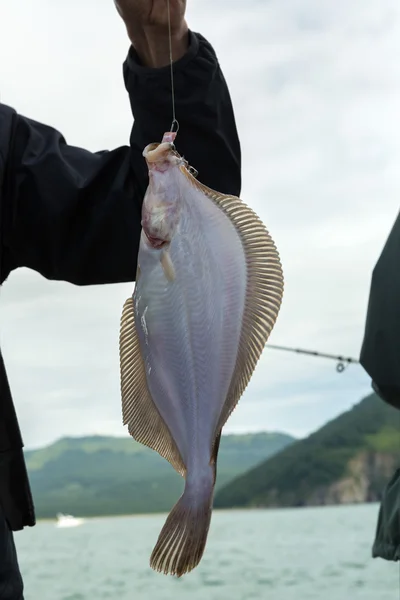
167	265
145	423
183	538
264	289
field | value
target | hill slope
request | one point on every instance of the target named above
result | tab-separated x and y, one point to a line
103	475
350	459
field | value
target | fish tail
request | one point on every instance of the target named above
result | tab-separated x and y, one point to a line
182	540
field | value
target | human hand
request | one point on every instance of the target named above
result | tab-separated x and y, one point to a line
147	25
152	14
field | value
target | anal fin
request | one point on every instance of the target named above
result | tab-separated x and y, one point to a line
145	423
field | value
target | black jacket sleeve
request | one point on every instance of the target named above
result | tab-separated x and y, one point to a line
74	215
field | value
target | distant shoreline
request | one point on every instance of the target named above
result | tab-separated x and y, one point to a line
215	510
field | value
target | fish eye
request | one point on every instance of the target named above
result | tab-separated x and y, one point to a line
172	146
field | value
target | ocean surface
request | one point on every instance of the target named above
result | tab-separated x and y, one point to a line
299	554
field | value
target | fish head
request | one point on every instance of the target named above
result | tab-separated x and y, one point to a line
162	201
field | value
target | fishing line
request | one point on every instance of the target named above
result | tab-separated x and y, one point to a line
174	121
343	361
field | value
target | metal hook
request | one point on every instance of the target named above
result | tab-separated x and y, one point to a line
173	125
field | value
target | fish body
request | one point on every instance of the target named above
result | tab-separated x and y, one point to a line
207	294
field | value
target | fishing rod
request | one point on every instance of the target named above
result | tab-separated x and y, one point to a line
342	361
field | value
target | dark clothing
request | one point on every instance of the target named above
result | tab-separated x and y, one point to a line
387	538
380	353
380	357
11	585
74	215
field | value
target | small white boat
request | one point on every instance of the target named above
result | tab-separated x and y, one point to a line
68	520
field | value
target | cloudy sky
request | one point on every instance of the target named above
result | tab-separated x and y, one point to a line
316	91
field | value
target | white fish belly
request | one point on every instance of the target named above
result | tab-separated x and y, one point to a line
189	329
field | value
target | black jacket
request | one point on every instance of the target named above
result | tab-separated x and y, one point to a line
380	357
74	215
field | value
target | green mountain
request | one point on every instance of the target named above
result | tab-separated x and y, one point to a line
107	476
348	460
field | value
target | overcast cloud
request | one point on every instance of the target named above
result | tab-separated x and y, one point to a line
315	87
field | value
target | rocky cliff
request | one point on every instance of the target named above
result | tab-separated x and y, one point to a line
348	460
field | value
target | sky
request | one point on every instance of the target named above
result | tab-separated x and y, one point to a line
316	93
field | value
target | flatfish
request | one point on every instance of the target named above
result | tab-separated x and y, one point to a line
208	290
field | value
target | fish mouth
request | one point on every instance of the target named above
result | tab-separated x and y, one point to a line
156	243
